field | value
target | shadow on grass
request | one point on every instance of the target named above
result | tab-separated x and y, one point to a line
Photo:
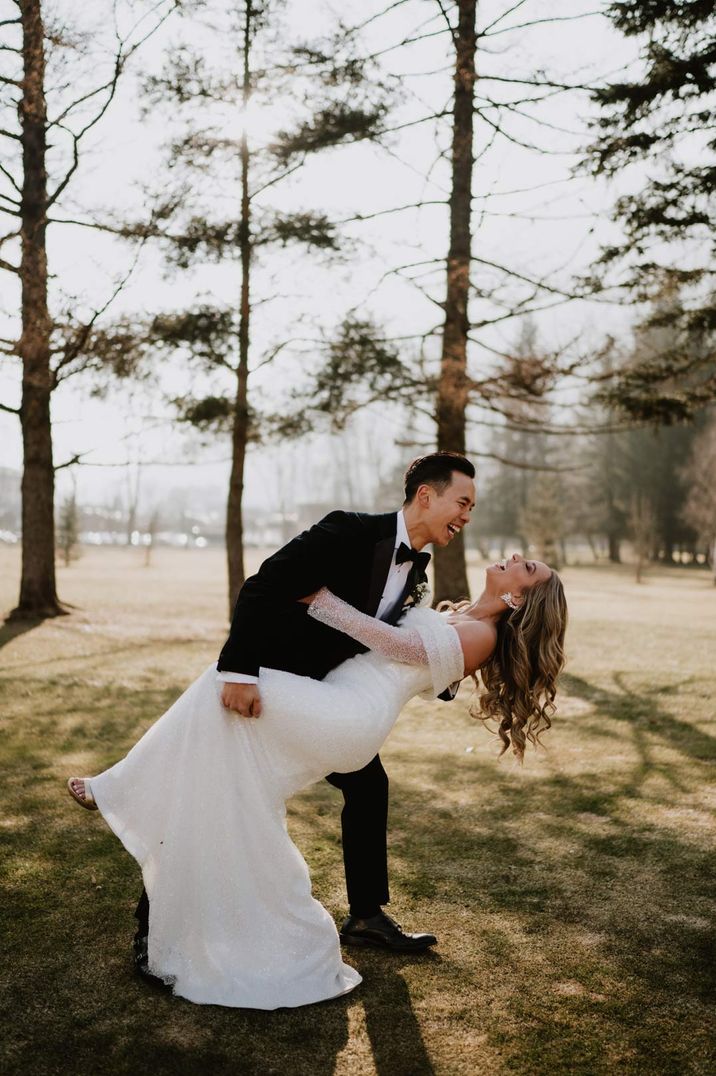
395	1038
110	651
12	628
645	715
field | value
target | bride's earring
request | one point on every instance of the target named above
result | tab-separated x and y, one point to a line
509	600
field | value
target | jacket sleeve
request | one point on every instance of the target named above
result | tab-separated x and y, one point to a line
308	562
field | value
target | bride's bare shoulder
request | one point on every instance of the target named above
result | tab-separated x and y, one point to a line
477	639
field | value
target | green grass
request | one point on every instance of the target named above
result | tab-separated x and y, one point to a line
573	897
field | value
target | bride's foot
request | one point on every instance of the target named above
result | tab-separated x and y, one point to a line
79	789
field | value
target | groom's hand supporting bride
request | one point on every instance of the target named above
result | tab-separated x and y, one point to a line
243	699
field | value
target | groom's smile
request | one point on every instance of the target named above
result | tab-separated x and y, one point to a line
436	515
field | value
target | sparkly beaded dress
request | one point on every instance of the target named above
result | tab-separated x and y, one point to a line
199	802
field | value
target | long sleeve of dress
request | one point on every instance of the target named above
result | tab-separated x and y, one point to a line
397	644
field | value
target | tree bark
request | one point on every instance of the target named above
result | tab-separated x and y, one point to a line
240	430
38	596
614	547
452	396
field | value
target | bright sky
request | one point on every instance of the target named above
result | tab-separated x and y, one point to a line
553	224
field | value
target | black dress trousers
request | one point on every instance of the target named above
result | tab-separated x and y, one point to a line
364	822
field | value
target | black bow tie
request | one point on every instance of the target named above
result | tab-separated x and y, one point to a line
420	560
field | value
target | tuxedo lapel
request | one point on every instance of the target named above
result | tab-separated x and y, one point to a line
385	530
382	558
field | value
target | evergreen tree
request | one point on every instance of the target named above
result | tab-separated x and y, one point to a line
68	528
659	124
699	511
520	449
335	99
473	288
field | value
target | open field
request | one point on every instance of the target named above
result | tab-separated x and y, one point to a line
573	897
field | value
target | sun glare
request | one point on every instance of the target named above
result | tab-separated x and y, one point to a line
262	122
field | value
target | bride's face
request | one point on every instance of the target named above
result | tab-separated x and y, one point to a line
516	574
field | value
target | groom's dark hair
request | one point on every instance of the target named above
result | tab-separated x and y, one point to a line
435	470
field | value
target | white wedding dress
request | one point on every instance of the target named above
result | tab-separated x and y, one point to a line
199	802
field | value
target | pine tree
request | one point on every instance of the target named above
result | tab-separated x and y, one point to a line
336	102
699	510
659	124
68	528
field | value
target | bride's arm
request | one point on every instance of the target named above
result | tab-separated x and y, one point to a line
398	644
477	639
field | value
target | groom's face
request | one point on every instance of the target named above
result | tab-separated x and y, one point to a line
446	512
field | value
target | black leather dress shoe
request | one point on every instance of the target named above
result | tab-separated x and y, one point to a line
382	932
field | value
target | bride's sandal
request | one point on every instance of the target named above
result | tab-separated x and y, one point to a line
85	798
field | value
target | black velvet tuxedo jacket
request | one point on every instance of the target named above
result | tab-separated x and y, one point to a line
348	552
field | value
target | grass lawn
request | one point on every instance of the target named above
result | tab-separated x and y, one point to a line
573	897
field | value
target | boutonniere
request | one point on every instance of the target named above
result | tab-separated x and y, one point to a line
418	595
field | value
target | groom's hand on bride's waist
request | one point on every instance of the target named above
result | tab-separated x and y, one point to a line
243	699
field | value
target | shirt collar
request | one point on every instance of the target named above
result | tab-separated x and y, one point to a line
401	531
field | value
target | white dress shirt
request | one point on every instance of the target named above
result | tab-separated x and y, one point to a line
394	584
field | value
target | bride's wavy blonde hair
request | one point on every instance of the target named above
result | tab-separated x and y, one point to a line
520	677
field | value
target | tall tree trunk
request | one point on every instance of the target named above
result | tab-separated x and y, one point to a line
240	431
614	548
38	595
613	525
452	396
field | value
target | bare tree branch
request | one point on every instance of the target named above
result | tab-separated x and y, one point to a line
8	175
520	465
277	178
11	410
270	357
73	460
511	106
527	280
518	142
396	209
74	348
538	22
415	123
504	15
405	41
57	122
378	15
120	61
538	82
450	26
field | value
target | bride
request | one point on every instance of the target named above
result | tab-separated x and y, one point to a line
199	801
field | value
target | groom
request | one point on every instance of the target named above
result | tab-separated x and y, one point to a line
376	563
